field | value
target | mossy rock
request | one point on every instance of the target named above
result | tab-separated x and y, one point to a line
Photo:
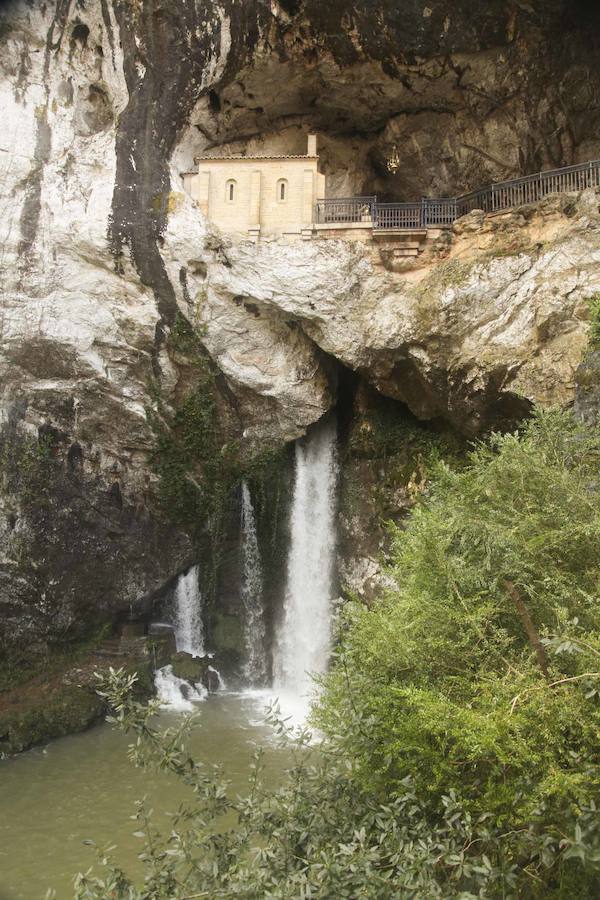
161	648
190	668
36	714
68	710
227	634
144	687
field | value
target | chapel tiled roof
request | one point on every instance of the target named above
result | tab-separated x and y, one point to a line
264	156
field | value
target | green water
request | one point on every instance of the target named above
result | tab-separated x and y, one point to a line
83	788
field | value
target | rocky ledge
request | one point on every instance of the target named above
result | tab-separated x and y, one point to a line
492	318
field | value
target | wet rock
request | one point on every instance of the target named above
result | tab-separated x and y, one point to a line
196	670
161	646
212	681
62	701
587	393
70	709
190	668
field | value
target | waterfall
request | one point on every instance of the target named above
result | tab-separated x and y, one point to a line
189	629
172	692
255	668
303	638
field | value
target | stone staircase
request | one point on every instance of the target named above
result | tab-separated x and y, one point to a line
119	647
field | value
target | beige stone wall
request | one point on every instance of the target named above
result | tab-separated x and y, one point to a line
256	198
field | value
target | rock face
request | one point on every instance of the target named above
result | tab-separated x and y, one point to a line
104	103
587	393
494	320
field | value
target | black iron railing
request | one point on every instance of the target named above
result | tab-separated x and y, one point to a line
441	212
345	209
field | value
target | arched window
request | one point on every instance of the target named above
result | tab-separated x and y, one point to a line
230	190
282	190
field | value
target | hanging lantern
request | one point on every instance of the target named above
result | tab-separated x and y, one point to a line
393	161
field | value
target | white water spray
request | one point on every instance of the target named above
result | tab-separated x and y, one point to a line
176	694
303	638
189	630
255	668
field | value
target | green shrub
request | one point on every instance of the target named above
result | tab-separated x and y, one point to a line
479	674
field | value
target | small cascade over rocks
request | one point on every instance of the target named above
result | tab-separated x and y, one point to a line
255	667
176	693
303	637
180	693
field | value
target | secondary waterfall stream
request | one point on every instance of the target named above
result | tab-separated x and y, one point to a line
173	692
303	637
189	629
255	667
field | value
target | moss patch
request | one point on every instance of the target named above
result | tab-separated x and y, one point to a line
198	459
190	668
386	461
64	702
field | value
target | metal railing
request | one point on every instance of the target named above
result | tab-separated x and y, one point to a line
397	215
345	209
441	212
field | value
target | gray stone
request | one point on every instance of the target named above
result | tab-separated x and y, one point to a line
587	393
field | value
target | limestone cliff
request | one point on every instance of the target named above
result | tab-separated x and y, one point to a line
105	102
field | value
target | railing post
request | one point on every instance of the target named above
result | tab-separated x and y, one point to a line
423	212
374	211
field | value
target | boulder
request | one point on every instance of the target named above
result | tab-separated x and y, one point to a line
190	668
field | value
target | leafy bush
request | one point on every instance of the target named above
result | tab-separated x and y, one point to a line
479	673
460	719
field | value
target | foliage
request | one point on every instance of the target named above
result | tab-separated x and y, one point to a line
186	338
460	720
26	467
388	430
321	835
479	673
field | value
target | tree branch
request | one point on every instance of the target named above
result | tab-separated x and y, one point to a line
532	635
516	699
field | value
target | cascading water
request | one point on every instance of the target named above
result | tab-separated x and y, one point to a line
189	630
255	668
303	638
175	693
